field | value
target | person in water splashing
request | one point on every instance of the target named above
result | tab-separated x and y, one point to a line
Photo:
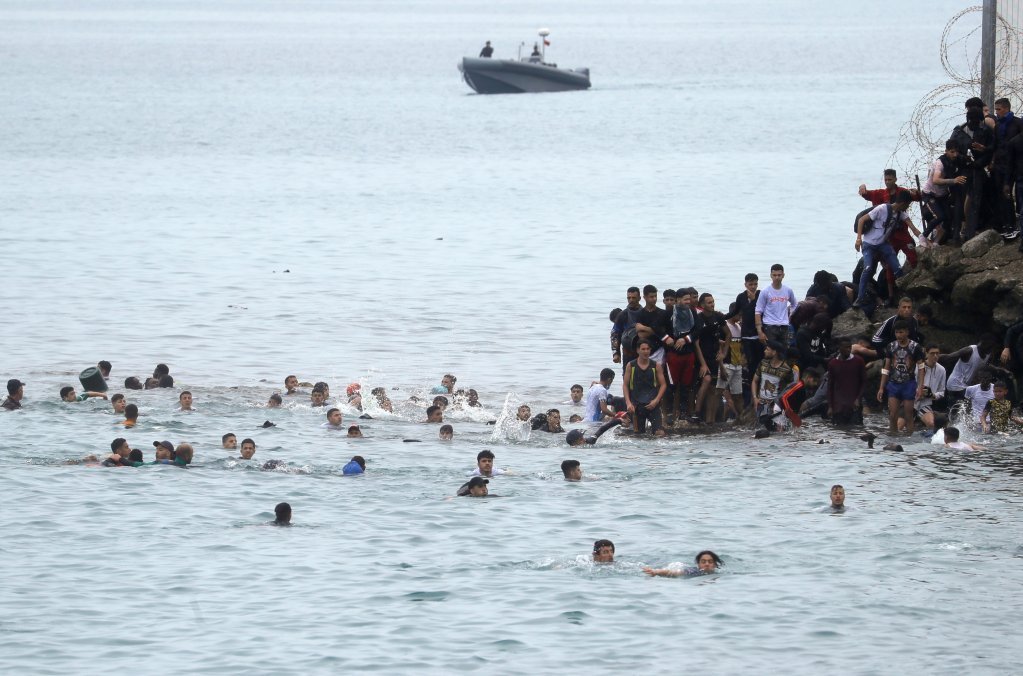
707	562
475	487
603	551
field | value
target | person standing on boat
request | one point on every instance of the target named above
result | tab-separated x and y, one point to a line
487	51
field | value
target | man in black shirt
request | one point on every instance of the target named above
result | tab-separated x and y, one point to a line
487	51
746	303
15	393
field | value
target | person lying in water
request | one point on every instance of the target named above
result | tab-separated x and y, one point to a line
707	562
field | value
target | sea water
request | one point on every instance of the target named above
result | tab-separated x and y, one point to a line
249	190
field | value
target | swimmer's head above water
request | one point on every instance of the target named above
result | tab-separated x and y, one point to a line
447	432
248	449
282	513
485	462
837	497
603	551
572	469
707	561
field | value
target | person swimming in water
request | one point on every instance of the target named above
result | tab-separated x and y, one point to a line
475	487
434	414
837	498
68	394
447	432
275	400
335	420
707	562
579	438
357	465
354	432
603	551
572	469
485	465
282	514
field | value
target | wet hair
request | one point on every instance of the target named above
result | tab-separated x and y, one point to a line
538	421
900	325
431	410
132	383
440	400
553	410
614	314
117	397
131	411
717	559
951	433
751	277
354	428
64	391
332	410
359	460
277	398
632	289
649	288
600	544
577	386
485	453
161	370
453	378
777	267
183	451
951	145
568	465
283	511
117	443
321	386
136	455
229	434
890	172
838	486
606	373
104	367
167	380
446	428
183	393
248	441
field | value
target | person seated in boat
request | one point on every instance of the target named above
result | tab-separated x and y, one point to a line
487	51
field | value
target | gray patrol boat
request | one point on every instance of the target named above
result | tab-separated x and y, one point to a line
525	74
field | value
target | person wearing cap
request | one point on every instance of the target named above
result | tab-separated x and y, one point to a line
354	432
334	420
164	450
67	393
485	465
579	438
772	377
603	551
475	487
357	465
873	229
354	393
15	393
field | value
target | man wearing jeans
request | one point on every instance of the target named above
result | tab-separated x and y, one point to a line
872	232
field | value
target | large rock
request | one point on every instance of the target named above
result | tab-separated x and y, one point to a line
981	243
851	324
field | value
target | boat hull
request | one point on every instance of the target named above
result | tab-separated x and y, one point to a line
505	76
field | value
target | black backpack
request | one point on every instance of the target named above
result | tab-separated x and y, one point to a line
889	220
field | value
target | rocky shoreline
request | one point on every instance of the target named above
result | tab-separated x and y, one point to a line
973	289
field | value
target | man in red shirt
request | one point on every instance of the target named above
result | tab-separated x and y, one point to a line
900	239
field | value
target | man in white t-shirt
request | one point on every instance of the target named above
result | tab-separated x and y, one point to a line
980	394
872	232
596	398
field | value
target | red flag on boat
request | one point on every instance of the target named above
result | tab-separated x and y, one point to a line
546	42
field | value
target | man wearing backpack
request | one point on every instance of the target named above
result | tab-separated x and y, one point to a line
872	232
900	238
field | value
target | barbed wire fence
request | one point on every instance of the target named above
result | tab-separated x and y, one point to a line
922	138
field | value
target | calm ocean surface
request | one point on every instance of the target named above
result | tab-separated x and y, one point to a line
245	190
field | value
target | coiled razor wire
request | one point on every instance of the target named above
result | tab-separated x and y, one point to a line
922	138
